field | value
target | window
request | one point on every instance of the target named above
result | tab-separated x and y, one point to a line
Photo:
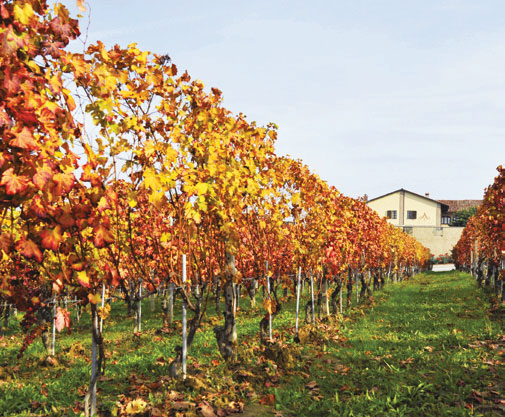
408	230
391	214
446	220
411	214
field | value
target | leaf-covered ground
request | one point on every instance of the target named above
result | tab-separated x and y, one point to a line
430	346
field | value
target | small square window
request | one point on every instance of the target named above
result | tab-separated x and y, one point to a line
446	220
391	214
411	214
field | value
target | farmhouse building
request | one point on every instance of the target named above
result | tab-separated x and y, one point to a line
425	219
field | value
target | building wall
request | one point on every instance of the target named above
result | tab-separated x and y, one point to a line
427	213
389	202
439	240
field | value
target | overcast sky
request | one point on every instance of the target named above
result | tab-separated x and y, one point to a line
372	95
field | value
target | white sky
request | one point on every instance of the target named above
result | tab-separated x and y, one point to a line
372	95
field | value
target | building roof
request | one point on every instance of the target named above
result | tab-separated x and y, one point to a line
457	205
444	205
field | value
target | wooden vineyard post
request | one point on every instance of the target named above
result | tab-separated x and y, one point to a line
184	324
298	300
340	296
103	304
312	297
153	306
502	262
234	292
139	311
90	397
268	295
356	281
53	338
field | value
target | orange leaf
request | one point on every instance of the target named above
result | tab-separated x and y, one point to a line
51	238
14	184
103	236
24	140
94	298
64	182
41	177
29	249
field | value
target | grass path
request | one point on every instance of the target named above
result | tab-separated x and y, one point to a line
427	348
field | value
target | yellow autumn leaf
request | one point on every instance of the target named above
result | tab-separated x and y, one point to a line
104	312
157	199
136	406
149	148
151	180
82	277
23	14
269	305
132	199
201	188
94	298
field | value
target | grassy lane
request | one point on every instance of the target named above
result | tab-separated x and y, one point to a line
420	348
428	347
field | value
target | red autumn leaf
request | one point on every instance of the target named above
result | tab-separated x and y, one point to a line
62	319
14	184
4	13
11	82
42	176
60	27
66	220
102	236
29	249
38	207
51	238
27	117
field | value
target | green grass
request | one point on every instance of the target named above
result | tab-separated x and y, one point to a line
427	348
423	347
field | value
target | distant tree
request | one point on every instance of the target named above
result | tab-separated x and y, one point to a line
461	217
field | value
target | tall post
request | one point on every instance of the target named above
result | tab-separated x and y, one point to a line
356	280
94	363
312	296
269	296
298	299
139	310
341	304
184	329
53	340
103	304
234	291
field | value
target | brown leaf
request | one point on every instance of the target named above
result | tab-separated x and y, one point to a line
206	410
267	399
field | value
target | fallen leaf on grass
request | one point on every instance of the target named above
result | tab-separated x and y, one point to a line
267	399
206	410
